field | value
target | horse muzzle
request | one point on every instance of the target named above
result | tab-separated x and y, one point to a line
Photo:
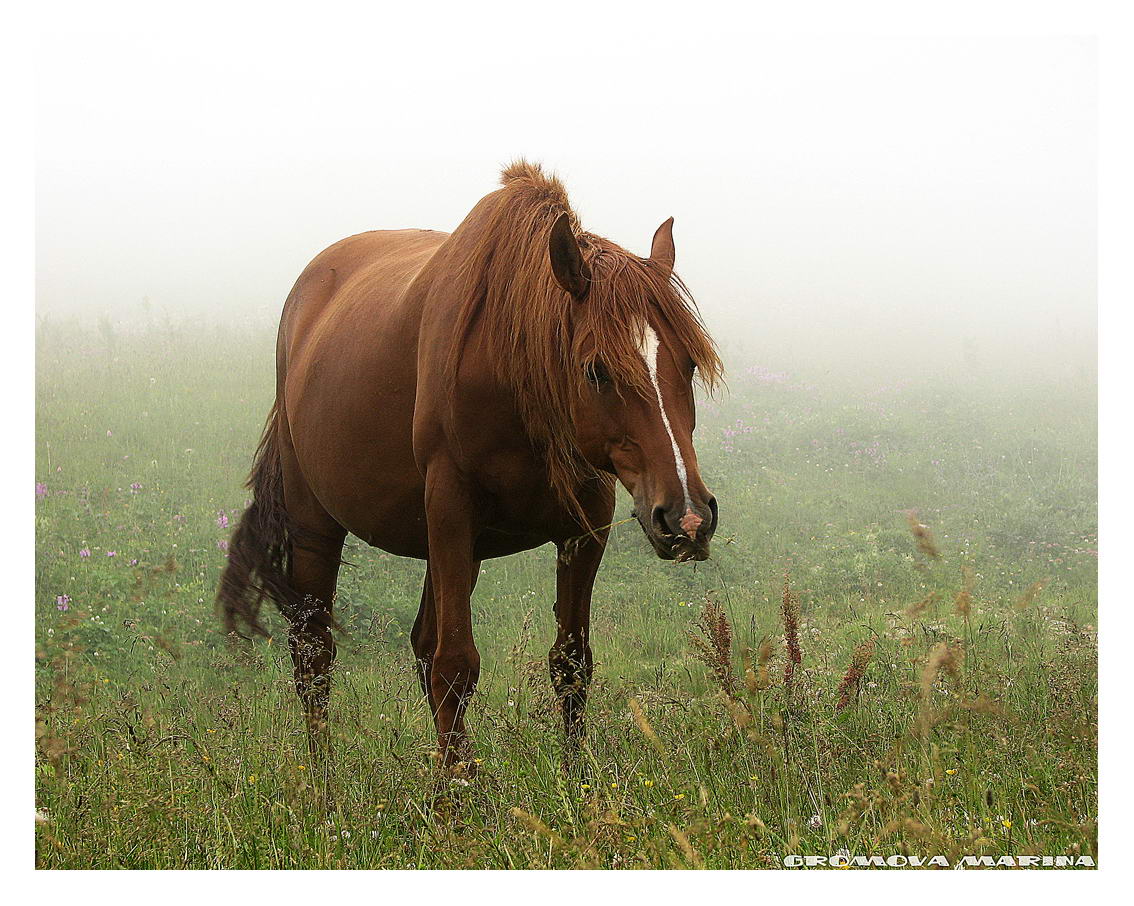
680	533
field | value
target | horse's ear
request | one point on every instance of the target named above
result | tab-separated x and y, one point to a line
566	260
662	250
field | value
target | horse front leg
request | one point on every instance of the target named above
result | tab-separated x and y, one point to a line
455	665
570	659
423	636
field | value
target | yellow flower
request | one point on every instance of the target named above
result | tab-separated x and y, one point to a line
647	782
1007	824
754	777
951	771
301	767
584	786
252	778
614	786
679	796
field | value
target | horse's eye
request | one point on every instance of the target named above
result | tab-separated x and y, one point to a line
597	374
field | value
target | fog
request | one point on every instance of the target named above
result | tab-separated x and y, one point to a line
839	200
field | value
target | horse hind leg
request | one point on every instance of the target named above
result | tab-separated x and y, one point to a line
314	571
423	637
316	542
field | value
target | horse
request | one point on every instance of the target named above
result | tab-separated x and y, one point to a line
458	397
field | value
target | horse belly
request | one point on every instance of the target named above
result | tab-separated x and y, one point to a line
357	459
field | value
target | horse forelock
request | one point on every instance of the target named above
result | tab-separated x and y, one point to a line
539	338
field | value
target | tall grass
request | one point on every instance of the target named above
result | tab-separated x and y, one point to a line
924	681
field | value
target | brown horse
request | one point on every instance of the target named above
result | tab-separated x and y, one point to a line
456	397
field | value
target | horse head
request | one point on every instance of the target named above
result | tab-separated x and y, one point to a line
636	416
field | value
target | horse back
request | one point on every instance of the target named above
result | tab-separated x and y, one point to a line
372	269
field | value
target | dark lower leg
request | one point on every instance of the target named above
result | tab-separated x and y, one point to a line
570	660
571	668
423	637
456	669
313	574
313	654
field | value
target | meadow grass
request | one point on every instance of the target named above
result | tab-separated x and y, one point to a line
937	540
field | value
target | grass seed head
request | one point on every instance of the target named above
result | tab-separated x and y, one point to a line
963	603
686	847
849	686
644	725
944	657
711	639
923	537
919	607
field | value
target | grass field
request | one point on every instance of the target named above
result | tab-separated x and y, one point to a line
971	730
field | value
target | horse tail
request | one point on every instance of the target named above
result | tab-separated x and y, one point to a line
259	552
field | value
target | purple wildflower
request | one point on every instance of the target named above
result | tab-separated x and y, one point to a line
40	490
85	552
112	553
135	487
63	602
222	545
134	562
222	519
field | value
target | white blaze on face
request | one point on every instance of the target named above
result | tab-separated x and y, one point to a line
648	348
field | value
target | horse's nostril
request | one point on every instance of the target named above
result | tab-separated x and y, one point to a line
658	517
713	517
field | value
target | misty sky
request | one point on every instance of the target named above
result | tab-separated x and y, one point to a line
827	192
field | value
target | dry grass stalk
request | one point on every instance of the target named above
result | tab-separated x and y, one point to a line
713	647
520	649
644	725
855	672
963	603
790	611
923	537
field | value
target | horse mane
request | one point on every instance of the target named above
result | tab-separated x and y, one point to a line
536	333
